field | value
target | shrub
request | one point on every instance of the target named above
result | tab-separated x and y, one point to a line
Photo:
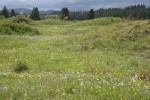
21	19
20	67
2	17
18	29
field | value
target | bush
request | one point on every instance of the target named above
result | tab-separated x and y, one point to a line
21	19
2	17
18	29
20	67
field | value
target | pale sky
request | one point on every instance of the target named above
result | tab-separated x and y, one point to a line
71	4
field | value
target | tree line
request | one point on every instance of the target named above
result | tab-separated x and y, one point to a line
131	12
35	15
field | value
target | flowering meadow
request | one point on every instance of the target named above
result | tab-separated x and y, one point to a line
100	59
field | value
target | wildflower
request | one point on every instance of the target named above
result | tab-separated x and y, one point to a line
25	94
4	74
81	84
134	77
64	78
146	91
139	88
54	81
74	90
11	98
99	82
5	88
63	94
146	87
121	84
113	87
104	81
72	73
88	83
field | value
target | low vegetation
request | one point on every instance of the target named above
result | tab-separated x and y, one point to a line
17	26
20	67
100	59
21	19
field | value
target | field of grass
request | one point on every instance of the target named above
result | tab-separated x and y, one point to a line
100	59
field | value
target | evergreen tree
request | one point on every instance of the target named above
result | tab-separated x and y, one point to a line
35	14
5	12
12	13
148	12
65	13
91	15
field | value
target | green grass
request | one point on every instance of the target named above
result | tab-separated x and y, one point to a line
17	29
100	59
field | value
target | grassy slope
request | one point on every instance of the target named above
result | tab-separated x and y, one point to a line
95	59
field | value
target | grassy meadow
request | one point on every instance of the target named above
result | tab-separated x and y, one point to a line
99	59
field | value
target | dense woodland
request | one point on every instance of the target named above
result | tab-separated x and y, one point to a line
131	12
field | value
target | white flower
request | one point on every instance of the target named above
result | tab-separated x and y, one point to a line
104	81
64	78
134	77
81	83
139	88
146	91
121	84
5	88
63	94
77	73
11	98
54	81
74	90
25	94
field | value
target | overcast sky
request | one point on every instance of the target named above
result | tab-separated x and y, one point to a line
71	4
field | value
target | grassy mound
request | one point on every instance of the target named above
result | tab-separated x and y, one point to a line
100	21
116	34
52	22
17	29
21	19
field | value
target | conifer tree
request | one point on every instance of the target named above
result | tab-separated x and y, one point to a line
91	15
5	12
12	13
35	14
65	13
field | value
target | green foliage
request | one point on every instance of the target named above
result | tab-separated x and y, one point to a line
52	22
12	13
5	12
99	21
51	16
21	20
21	67
131	12
87	60
91	14
65	14
17	29
1	16
35	14
145	75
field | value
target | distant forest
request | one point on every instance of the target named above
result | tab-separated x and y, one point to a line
139	12
131	12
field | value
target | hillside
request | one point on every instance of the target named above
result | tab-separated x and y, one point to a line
100	59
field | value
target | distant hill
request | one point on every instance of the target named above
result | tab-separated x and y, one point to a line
22	10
